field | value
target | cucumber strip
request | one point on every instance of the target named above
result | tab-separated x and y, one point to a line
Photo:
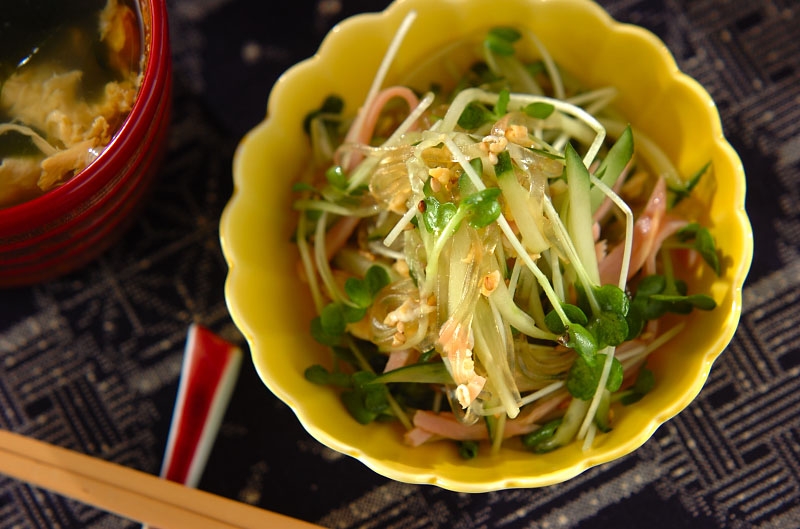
579	218
516	198
426	373
568	428
612	166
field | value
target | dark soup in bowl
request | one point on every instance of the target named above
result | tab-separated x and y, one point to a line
69	76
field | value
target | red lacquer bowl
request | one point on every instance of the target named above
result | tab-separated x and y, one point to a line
73	224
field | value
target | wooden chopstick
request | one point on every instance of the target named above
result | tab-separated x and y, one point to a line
129	493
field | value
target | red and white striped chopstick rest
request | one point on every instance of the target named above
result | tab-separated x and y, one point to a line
208	376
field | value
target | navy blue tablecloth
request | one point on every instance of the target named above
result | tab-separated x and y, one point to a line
91	361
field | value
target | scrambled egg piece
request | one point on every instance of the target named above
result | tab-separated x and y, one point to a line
18	177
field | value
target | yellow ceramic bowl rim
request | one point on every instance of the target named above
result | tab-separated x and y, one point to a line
251	273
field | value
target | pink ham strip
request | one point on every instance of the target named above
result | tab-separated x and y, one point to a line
341	231
417	436
645	230
363	131
430	426
446	425
651	329
337	236
401	358
539	410
669	227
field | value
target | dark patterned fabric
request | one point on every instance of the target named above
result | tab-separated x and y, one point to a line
91	361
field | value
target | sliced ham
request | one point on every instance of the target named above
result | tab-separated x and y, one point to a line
431	426
401	358
645	230
362	130
669	226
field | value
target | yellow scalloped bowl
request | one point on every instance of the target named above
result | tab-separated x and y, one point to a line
272	307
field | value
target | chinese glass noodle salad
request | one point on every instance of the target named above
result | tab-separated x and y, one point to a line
493	261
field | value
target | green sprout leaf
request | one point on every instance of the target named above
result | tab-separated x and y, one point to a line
615	375
645	381
468	449
703	242
483	207
501	107
324	335
332	319
354	403
329	327
474	115
336	176
656	295
681	192
539	110
362	291
321	376
698	301
352	314
609	328
437	214
635	320
500	40
376	278
332	104
535	68
612	299
583	376
652	284
582	341
366	402
345	354
582	379
507	33
358	292
299	187
574	314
